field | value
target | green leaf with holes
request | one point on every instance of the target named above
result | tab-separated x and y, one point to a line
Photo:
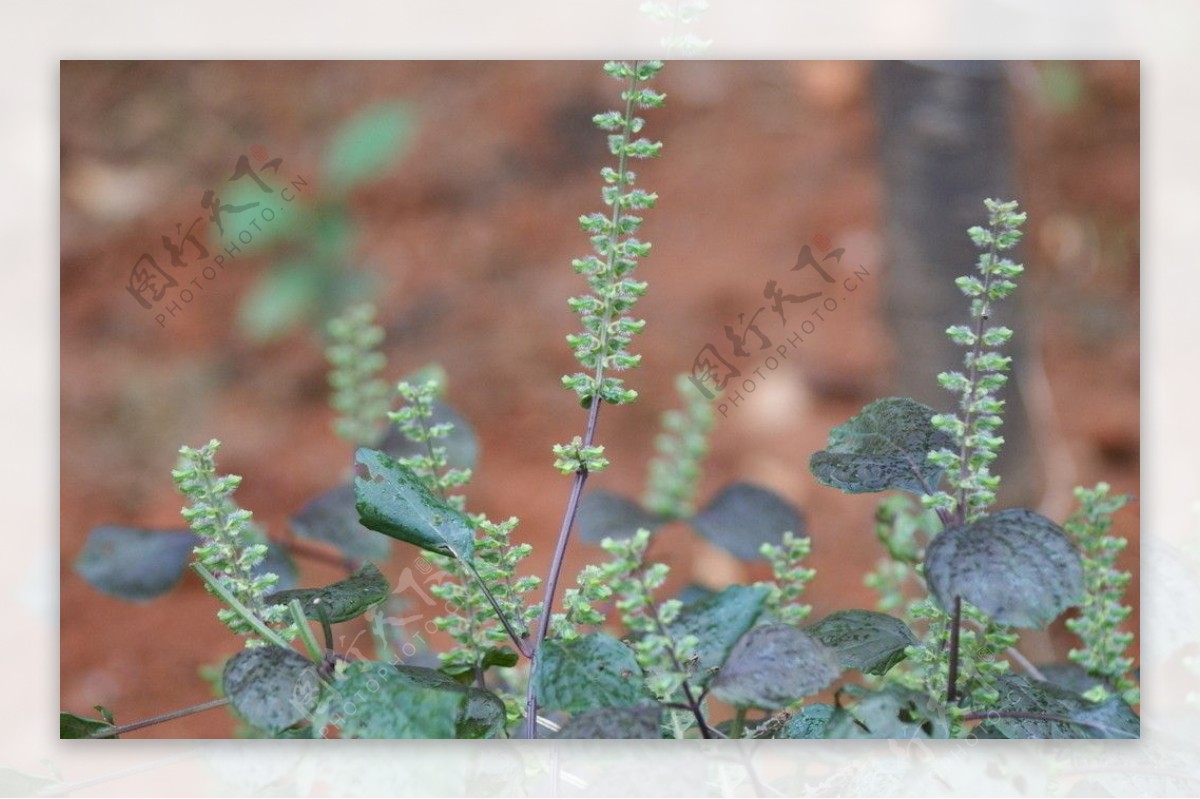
865	640
882	448
774	665
272	688
1016	566
588	673
341	601
393	500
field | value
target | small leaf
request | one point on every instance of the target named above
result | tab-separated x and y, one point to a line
744	516
1056	713
884	447
281	298
72	726
809	722
603	514
462	446
270	687
379	700
893	712
1016	566
612	723
332	518
395	501
718	622
773	666
368	143
343	600
864	640
589	673
134	564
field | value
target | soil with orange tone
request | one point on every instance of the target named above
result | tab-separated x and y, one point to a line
471	238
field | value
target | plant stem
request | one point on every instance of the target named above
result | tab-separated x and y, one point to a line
306	635
739	723
150	722
232	601
952	681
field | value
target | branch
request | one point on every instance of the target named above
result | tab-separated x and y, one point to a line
113	732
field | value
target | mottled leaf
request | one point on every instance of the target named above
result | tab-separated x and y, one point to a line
718	622
1016	566
368	143
270	687
864	640
341	601
1055	712
744	516
379	700
893	712
616	723
772	666
332	518
393	500
884	447
603	514
134	564
588	673
73	726
808	722
462	446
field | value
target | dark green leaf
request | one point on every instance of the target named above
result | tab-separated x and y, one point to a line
270	687
134	564
378	700
773	666
868	641
462	446
743	517
1056	713
693	593
368	143
616	723
893	712
603	514
718	622
1016	566
393	500
343	600
592	672
1071	677
72	726
809	722
884	447
332	518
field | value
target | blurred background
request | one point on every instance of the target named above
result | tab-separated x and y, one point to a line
448	193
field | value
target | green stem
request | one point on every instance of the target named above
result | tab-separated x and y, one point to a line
306	634
739	723
229	599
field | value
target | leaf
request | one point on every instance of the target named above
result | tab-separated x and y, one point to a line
395	501
893	712
809	722
884	447
613	723
603	514
744	516
718	622
1016	566
868	641
462	445
1076	717
134	564
332	518
281	298
588	673
343	600
270	687
1071	677
368	143
73	726
379	700
773	666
